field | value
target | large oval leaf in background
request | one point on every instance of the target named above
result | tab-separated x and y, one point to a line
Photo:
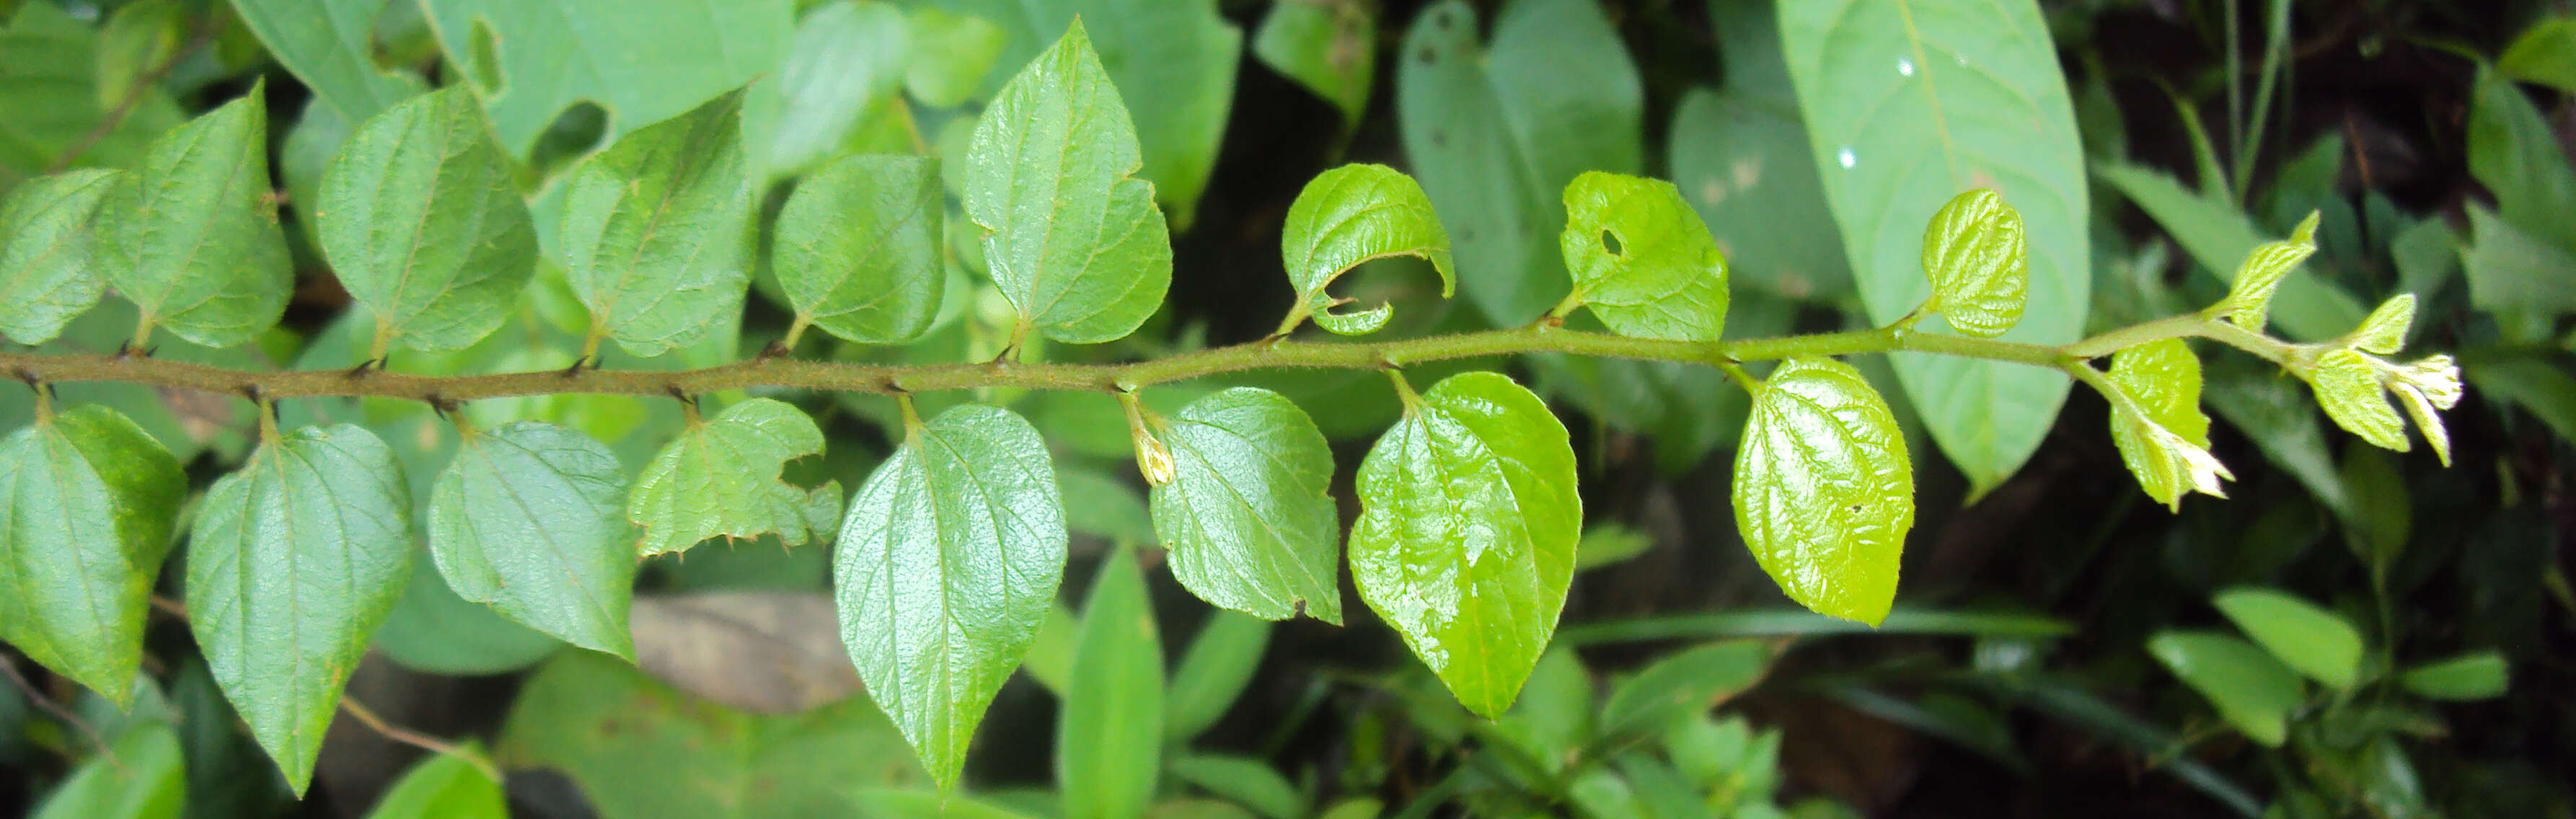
1496	129
1907	103
1740	154
643	62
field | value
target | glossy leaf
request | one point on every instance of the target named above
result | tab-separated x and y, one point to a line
2312	640
1465	540
1111	728
1976	256
421	219
528	519
292	563
2347	386
1641	259
1908	104
2218	237
1071	236
721	478
2251	296
642	63
442	786
1347	216
858	248
656	235
190	236
1247	513
2252	691
87	504
1824	489
2166	442
947	560
48	269
142	776
2477	675
2384	331
1330	48
1496	128
330	46
1213	671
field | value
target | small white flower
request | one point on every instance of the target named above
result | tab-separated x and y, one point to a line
2189	460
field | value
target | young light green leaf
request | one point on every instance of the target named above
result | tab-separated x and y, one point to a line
330	45
2312	640
87	502
1465	540
858	248
2477	675
1974	253
656	235
1330	48
190	235
947	560
527	519
1213	671
1824	490
2545	53
950	56
720	478
2252	691
422	221
2347	386
1642	259
48	272
1247	512
143	776
1112	724
292	563
1072	237
2384	332
2250	297
443	786
1349	215
2165	443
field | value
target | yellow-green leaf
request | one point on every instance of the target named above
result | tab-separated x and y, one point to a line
1641	259
1824	490
1349	215
1975	254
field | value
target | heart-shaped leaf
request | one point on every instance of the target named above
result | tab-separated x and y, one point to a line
1246	513
190	234
1824	490
858	248
87	502
1974	253
1642	259
528	519
423	223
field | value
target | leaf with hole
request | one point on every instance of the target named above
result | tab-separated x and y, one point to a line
1465	540
48	269
529	519
656	235
190	236
1824	490
1247	514
721	478
330	45
1641	259
847	58
858	248
87	504
421	219
1347	216
641	63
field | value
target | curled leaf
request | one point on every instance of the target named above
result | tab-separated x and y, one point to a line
1349	215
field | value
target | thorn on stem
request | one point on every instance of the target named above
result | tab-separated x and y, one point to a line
777	348
376	364
579	364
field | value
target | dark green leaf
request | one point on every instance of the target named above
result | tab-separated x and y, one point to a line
1975	254
946	562
656	235
2515	154
1466	535
87	504
48	272
442	786
1247	514
330	45
292	563
141	777
1072	237
50	89
1742	160
191	236
1349	215
1642	259
721	478
1684	684
136	41
1249	782
1213	671
1111	729
528	519
643	63
2474	676
2252	691
858	248
2539	386
2312	640
2514	272
1824	489
1330	48
423	223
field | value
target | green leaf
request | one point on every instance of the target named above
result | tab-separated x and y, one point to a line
951	55
947	560
48	272
528	520
2312	640
2219	237
1111	729
1824	490
1248	514
1213	671
2252	691
2347	386
1071	236
643	63
2514	152
422	222
1642	259
2513	272
1908	104
1974	253
139	37
141	777
1049	660
846	58
2479	675
330	45
1347	216
721	478
1249	782
1098	504
432	629
49	86
1606	544
858	248
292	563
2541	387
190	236
2250	296
87	504
2162	378
1685	684
1550	722
656	235
2384	332
1330	48
2545	53
443	786
1496	129
1465	540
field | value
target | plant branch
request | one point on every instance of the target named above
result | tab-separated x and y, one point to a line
406	736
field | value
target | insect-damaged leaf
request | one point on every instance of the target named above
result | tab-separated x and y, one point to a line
720	478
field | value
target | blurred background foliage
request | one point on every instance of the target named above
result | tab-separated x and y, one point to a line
2353	633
